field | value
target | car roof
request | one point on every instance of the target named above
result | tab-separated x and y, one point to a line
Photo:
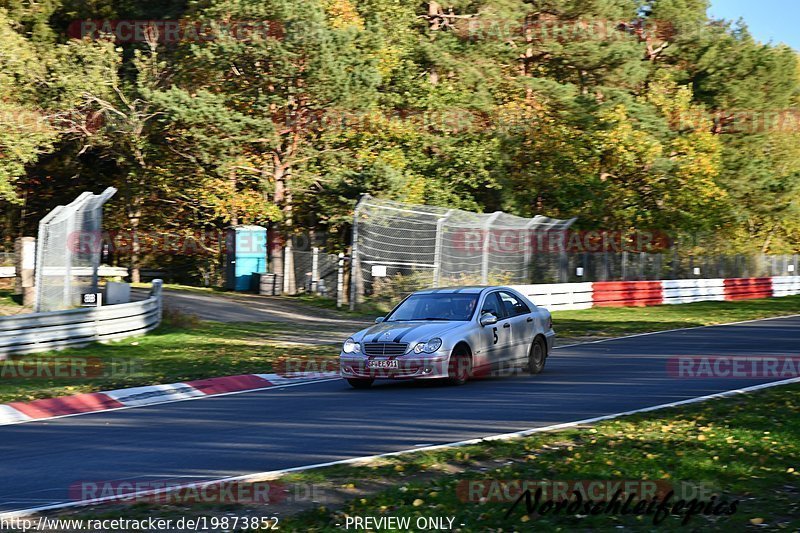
472	289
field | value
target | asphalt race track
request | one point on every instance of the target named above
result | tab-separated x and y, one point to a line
280	428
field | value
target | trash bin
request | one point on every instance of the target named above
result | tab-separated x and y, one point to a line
269	284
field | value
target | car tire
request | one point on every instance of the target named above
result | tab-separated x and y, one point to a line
537	356
459	368
360	383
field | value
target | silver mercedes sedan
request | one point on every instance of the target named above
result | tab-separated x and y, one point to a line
452	333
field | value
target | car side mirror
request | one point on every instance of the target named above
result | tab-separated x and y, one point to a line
487	319
380	319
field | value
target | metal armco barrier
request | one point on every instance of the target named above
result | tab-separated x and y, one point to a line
103	272
564	296
39	332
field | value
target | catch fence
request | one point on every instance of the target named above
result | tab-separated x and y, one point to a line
399	247
67	258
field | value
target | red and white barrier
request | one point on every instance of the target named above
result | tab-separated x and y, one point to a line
564	296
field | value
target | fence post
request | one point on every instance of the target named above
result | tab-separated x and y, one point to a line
563	266
155	292
314	269
355	264
642	259
437	249
25	263
68	264
529	249
486	237
624	265
340	281
658	267
289	281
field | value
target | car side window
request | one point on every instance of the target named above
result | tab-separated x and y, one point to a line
513	305
492	305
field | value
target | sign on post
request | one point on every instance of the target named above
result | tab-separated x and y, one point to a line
91	299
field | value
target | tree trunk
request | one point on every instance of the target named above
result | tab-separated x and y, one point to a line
289	283
275	228
234	213
133	217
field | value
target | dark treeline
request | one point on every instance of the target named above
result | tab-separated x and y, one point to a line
624	113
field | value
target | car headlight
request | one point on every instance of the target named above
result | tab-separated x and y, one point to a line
351	346
428	347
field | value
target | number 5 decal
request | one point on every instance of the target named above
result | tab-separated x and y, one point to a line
494	330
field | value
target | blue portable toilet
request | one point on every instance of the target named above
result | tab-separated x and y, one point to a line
245	254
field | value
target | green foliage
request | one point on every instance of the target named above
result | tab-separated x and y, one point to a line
614	111
41	92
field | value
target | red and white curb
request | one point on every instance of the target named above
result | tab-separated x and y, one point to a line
20	412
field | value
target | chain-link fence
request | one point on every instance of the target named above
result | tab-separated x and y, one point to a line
67	254
667	264
318	273
400	247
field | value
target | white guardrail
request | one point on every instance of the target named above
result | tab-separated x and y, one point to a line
103	271
39	332
559	296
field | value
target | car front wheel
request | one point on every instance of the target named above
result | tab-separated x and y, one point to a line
459	369
537	356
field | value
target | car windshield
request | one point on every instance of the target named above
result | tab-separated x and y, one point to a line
433	306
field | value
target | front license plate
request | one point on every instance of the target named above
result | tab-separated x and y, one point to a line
383	363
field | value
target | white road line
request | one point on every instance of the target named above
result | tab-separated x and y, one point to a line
274	474
676	330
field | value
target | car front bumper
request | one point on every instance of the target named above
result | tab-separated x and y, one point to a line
410	366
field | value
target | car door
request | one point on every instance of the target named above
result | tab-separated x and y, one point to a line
523	325
497	338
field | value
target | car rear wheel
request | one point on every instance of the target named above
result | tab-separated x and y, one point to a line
537	356
360	383
459	368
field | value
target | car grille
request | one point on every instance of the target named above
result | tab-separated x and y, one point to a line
385	348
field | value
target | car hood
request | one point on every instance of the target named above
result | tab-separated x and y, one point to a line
411	331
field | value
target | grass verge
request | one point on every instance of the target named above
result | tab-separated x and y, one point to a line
9	303
617	321
744	449
170	354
